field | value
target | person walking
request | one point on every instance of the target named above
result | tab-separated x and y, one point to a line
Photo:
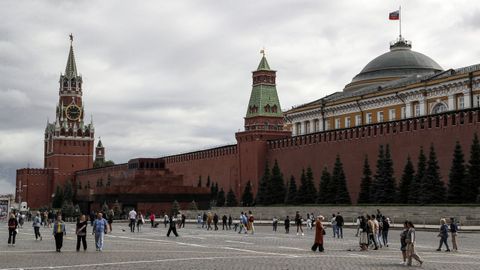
371	232
132	215
333	221
111	214
243	223
99	230
58	232
12	229
443	235
454	232
363	233
251	219
287	224
165	220
411	242
274	223
209	221
385	229
152	219
309	221
199	221
184	219
37	222
204	219
403	242
319	232
140	221
376	231
340	223
215	221
81	231
172	227
299	223
230	221
224	222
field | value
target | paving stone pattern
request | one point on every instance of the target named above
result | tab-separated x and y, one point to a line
201	249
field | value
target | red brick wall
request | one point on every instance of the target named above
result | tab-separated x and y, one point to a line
352	151
35	186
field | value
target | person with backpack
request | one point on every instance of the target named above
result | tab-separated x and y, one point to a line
454	232
443	235
12	229
100	228
37	222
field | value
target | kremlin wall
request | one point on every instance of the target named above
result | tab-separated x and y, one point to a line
401	98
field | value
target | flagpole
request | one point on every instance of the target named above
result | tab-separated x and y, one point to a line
400	19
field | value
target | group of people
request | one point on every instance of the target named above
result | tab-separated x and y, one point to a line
59	230
372	231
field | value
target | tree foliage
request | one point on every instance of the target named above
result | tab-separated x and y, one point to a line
221	198
456	177
338	177
262	198
433	187
58	198
231	199
324	196
365	183
407	179
247	196
473	172
276	186
291	196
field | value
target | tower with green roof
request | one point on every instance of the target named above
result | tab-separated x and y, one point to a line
263	122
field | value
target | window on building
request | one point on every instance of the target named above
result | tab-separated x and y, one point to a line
460	102
476	101
327	125
368	118
439	108
379	117
307	127
298	128
316	123
392	115
347	122
358	120
337	123
416	108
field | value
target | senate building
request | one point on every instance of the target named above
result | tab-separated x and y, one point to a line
402	98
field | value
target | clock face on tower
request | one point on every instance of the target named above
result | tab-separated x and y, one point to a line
73	112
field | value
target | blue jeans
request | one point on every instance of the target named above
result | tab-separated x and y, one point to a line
99	240
443	240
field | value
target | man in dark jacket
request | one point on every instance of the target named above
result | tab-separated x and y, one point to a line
215	221
172	227
340	222
224	222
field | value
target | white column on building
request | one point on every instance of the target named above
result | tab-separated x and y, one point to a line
408	109
451	102
466	99
320	124
421	104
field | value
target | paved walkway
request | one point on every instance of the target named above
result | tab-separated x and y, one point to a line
201	249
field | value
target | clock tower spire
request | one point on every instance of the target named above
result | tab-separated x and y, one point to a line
69	142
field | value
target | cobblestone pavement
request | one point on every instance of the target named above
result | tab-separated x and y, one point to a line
201	249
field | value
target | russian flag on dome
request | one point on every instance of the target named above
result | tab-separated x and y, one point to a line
394	15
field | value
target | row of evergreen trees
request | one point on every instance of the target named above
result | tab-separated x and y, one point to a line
218	197
332	188
423	185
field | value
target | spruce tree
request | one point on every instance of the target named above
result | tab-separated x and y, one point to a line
341	196
366	183
231	199
407	179
68	192
416	187
221	198
175	207
208	181
300	198
473	172
389	187
247	197
276	186
432	181
456	177
199	181
378	182
261	198
292	192
310	195
323	195
58	199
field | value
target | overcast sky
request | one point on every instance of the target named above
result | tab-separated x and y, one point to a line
164	77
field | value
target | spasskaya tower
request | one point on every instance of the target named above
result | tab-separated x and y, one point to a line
69	141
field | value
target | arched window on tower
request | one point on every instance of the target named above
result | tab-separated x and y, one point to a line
274	108
267	108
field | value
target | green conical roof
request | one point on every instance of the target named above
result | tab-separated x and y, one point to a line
263	64
71	68
99	145
264	98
